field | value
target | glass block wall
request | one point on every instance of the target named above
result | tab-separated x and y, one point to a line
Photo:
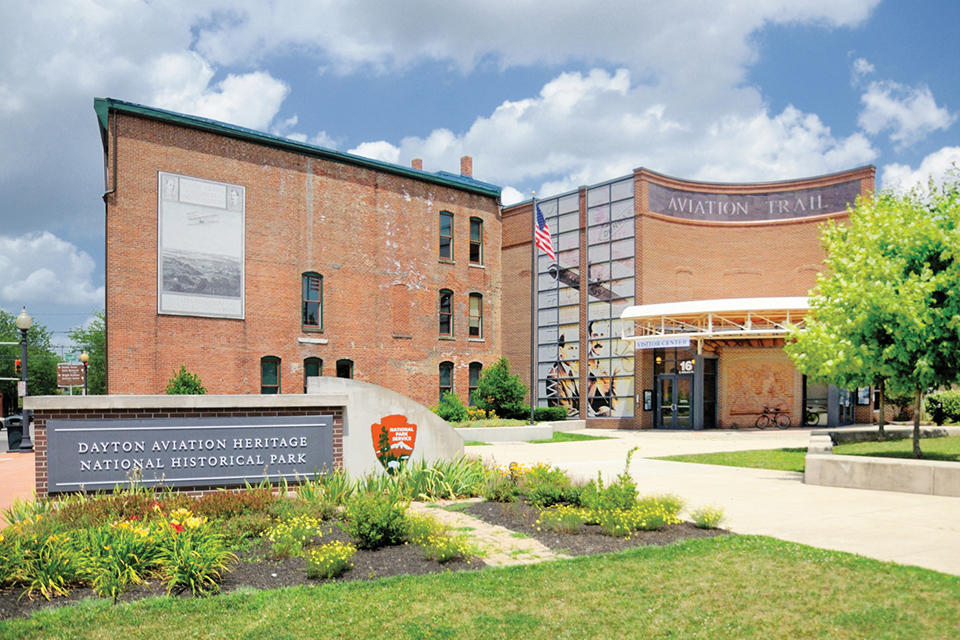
610	289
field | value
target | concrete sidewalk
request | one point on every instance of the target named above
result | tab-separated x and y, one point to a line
906	528
17	478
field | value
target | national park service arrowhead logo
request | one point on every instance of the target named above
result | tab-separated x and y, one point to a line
393	441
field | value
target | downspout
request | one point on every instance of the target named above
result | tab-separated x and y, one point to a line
106	160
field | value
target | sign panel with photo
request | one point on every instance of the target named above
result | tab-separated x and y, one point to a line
201	247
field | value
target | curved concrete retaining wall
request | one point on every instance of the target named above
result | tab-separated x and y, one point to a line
528	433
368	404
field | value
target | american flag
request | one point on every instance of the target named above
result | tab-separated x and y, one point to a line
542	236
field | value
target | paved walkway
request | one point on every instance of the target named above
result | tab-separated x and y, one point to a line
501	547
906	528
16	478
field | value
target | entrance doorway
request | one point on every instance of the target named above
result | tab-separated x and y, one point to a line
675	401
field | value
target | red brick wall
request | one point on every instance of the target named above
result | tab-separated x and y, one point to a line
517	238
40	418
368	233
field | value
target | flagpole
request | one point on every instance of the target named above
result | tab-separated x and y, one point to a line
534	383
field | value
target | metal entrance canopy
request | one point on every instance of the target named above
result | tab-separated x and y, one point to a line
726	319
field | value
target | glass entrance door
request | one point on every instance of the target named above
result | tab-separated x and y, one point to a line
675	401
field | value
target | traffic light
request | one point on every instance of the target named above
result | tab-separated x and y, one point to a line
17	363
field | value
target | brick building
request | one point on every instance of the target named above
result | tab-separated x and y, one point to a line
701	279
257	261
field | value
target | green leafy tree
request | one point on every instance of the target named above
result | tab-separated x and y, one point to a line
886	308
92	339
499	390
184	383
41	361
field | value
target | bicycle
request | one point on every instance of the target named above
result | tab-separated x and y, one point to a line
811	418
772	416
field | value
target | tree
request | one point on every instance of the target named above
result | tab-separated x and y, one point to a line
885	309
92	338
500	391
184	383
41	361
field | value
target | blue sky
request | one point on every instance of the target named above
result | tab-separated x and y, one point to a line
545	96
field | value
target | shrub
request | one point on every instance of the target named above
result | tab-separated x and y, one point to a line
903	403
376	520
446	547
544	485
184	383
117	556
621	494
561	519
237	530
226	504
330	560
501	488
288	537
949	406
708	517
194	559
449	479
451	408
436	540
420	528
500	391
550	414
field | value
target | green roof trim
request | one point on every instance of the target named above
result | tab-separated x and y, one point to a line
103	106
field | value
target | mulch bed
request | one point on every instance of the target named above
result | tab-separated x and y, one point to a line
256	570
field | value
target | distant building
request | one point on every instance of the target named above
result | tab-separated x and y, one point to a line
257	261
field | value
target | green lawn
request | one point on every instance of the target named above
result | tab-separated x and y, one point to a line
947	448
563	436
728	587
777	459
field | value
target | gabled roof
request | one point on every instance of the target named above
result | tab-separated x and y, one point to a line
103	106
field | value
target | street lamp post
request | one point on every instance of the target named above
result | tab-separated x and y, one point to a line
85	359
23	323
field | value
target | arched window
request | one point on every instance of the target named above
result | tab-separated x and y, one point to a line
344	368
476	241
446	235
476	315
312	368
312	289
475	369
270	375
446	312
446	378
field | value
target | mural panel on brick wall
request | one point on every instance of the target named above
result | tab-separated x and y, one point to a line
200	247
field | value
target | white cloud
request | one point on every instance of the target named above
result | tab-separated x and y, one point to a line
43	268
510	196
182	84
588	128
380	150
909	113
936	165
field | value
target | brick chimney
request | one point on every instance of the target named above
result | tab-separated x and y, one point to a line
466	166
417	163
